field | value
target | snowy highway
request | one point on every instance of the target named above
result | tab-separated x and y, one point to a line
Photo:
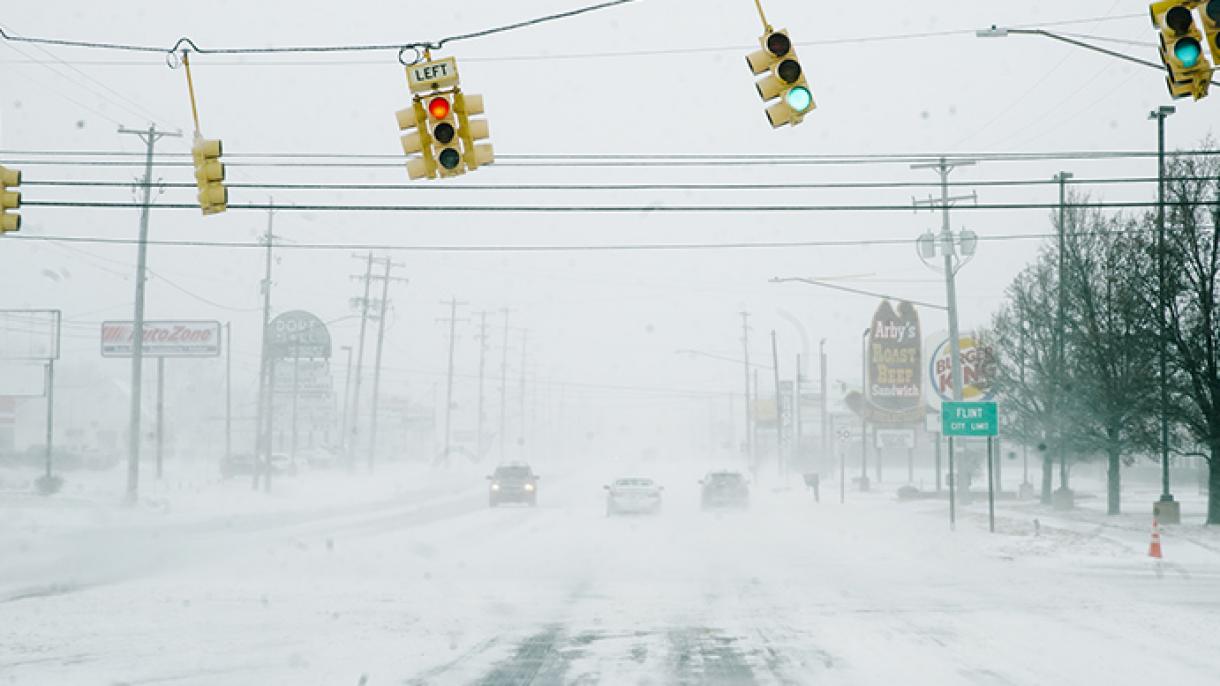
433	587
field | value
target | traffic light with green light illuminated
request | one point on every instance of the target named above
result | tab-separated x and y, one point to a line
1181	47
10	199
209	175
784	81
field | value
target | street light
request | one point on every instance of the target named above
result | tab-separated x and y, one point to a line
1166	509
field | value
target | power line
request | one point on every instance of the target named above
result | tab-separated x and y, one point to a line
185	43
623	247
845	185
513	58
589	209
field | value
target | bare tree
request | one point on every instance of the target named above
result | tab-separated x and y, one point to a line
1023	336
1110	341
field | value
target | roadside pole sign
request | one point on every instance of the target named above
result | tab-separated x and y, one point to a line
969	419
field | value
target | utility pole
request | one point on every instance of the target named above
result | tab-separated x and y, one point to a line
944	168
150	138
796	412
382	309
524	339
1166	509
482	367
825	404
347	387
160	415
364	320
951	264
745	347
228	390
504	385
453	304
1063	497
779	410
864	409
262	441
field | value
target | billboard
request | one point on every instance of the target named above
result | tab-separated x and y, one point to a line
978	369
298	334
168	338
894	378
29	335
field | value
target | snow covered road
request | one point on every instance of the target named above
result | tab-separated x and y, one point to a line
443	590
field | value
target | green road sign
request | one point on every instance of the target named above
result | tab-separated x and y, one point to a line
969	419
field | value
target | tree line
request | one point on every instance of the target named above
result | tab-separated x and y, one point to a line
1086	383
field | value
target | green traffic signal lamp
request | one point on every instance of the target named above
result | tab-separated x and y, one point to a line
1188	51
449	158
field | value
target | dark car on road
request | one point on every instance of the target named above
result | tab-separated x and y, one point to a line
724	490
513	483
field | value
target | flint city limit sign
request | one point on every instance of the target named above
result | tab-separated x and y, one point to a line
969	419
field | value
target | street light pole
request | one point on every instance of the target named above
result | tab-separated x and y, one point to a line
1167	510
864	409
1064	495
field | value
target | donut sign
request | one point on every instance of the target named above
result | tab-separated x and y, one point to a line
978	369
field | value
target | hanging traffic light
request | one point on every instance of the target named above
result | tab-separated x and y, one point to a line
785	81
1210	14
1181	48
9	199
209	175
472	131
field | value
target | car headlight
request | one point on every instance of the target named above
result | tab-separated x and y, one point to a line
495	487
529	487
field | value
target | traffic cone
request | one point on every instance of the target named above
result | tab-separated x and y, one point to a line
1154	550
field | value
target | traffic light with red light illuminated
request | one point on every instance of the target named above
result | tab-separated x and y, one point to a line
785	79
209	175
9	199
1181	47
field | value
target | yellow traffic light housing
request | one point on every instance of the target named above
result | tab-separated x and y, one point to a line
9	199
417	141
1181	47
785	79
1209	13
209	175
473	131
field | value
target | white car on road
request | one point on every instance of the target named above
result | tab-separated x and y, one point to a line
633	495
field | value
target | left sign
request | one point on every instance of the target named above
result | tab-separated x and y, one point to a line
162	339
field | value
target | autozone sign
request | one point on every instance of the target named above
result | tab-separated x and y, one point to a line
163	339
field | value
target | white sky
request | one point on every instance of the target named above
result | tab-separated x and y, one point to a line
596	317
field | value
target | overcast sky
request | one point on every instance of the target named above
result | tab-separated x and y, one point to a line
568	87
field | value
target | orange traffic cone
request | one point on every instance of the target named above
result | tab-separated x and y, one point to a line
1154	550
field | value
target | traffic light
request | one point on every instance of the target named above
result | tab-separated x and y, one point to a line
1210	14
472	131
1181	48
414	121
785	81
209	175
9	199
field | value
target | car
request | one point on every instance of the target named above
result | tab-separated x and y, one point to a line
237	464
724	490
513	483
633	495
